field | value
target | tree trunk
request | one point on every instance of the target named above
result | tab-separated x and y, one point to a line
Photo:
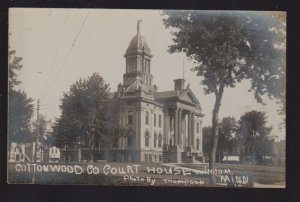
215	126
91	148
253	149
227	151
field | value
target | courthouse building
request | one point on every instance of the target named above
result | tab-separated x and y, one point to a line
161	126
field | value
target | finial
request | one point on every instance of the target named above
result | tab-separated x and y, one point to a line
138	25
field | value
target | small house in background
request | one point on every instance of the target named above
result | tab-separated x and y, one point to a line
16	153
54	154
279	152
231	159
25	152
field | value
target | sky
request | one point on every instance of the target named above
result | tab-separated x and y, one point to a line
60	46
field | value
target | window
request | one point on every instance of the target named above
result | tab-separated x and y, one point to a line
197	127
159	121
130	138
155	139
147	117
130	117
116	142
146	157
159	141
154	119
198	144
147	139
147	64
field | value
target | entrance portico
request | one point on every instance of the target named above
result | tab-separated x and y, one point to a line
183	122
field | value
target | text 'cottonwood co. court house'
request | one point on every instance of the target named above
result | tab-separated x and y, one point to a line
161	126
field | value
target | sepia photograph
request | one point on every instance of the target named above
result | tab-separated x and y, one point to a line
125	97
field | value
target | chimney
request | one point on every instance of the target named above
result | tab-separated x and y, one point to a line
179	84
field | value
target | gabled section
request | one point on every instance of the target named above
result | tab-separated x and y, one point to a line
185	95
189	97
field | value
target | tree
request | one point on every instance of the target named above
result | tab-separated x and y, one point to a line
116	129
226	132
85	114
254	133
227	128
207	140
13	64
20	107
227	48
20	111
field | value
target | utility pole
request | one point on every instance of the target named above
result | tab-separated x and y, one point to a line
37	128
183	68
37	137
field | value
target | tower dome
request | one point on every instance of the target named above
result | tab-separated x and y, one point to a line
138	43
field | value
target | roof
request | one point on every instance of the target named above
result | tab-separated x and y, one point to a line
184	95
138	42
168	94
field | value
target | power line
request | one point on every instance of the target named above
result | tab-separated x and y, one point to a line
67	55
55	55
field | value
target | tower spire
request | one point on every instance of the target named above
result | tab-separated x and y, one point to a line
138	25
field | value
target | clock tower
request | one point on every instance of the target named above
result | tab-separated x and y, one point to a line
138	62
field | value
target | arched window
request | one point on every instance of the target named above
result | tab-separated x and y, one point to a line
198	144
130	138
159	140
147	137
155	139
